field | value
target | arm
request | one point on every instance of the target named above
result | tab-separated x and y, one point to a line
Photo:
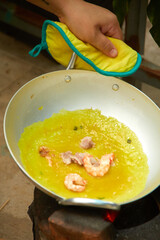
89	22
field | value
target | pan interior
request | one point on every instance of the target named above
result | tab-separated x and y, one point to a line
72	90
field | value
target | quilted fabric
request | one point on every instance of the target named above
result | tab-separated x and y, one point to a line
61	43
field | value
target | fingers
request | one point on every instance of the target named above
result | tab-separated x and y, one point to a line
102	43
112	28
91	24
118	34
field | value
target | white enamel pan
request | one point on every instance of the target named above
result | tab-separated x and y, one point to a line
78	89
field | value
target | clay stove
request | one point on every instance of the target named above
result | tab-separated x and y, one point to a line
139	220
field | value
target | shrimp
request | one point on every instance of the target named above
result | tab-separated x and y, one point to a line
102	166
68	157
87	143
47	153
75	182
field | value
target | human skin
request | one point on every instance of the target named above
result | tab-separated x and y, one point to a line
89	22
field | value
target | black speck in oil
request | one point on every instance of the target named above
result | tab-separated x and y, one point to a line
100	198
129	141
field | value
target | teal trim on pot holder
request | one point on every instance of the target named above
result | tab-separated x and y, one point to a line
43	45
37	49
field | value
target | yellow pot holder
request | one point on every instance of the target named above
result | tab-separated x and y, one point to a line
60	42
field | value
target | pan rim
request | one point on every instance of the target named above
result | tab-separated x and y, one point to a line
51	193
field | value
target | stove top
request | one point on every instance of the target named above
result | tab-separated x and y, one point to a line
139	220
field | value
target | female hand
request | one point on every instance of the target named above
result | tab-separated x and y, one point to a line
90	23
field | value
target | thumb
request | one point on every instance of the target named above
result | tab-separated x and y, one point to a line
103	44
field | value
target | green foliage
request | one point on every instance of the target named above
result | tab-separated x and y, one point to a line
121	7
153	12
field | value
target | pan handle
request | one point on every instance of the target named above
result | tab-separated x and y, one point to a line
88	202
72	61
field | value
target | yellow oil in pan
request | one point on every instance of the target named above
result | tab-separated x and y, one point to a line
63	132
